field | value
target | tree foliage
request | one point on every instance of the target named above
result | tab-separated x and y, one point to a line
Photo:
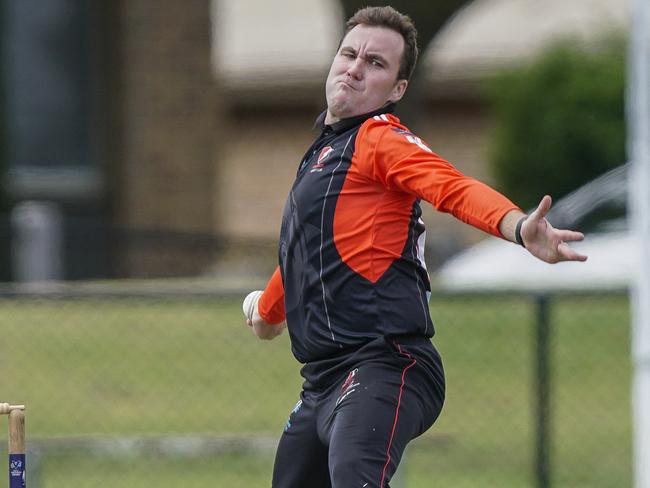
560	121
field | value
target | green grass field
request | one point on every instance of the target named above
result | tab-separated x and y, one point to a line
127	367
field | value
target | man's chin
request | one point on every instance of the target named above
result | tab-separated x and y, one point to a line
340	108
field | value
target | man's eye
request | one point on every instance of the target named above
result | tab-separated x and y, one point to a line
376	63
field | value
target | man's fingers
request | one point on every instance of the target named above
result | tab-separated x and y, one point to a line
570	235
568	254
542	209
546	242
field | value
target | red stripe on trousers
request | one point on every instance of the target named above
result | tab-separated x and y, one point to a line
399	401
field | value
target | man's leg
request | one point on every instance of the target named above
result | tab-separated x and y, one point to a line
378	409
301	458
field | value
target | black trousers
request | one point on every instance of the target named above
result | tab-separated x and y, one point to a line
353	432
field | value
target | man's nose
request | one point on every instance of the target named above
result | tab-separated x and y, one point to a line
355	69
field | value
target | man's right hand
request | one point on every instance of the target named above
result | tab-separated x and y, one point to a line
544	241
260	327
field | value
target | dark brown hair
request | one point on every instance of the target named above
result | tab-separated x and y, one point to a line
390	18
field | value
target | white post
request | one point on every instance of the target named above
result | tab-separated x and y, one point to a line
638	111
37	245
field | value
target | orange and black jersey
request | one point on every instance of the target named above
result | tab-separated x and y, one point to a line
352	242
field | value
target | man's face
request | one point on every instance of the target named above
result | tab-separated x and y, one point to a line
363	75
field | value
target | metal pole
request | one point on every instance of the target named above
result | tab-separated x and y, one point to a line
638	113
542	393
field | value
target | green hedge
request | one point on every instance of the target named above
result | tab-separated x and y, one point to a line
560	121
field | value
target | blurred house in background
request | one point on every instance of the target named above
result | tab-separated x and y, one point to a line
169	132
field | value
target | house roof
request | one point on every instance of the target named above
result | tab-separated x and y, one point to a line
289	43
257	43
489	34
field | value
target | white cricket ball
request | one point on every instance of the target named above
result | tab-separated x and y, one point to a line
250	302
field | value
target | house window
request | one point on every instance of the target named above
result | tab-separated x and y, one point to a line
51	84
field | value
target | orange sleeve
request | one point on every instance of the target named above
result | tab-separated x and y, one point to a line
398	159
271	304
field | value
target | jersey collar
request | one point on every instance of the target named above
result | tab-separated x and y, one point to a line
345	124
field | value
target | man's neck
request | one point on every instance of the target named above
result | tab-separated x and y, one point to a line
330	119
333	119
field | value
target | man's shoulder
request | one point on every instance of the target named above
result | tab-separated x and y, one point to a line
388	128
382	124
387	122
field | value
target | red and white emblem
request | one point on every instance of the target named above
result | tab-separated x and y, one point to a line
326	151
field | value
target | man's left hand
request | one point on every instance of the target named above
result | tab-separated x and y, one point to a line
254	319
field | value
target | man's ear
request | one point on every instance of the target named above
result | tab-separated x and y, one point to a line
398	90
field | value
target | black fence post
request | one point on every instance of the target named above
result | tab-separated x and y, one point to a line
542	392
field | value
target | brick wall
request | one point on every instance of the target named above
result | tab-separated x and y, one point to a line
166	119
168	107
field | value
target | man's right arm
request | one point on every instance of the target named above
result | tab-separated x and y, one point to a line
264	311
401	161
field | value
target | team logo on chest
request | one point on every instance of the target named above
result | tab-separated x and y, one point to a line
320	162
